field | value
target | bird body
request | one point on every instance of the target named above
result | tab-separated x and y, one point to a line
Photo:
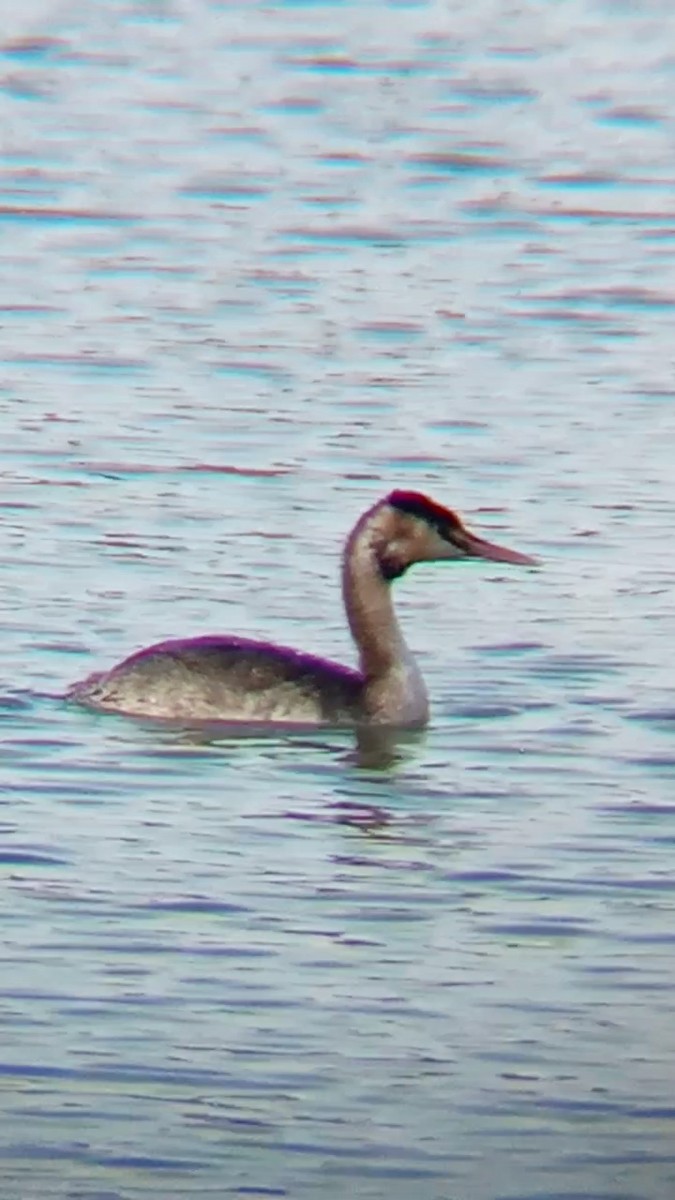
232	679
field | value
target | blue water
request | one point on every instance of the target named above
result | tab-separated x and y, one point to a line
259	265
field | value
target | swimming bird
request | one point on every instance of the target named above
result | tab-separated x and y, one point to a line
233	679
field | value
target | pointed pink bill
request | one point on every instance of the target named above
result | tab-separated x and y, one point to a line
478	547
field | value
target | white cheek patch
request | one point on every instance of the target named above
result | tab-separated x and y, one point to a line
450	550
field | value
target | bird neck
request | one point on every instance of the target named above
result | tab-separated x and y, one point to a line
393	687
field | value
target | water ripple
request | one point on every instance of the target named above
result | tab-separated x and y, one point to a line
263	267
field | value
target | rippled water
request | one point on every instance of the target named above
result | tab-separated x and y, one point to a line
259	265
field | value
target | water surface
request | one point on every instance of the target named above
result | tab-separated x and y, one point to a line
259	266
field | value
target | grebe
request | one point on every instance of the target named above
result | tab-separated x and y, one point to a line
234	679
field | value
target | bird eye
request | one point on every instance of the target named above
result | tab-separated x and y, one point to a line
449	529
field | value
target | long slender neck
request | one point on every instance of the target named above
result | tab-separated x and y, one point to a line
393	688
370	611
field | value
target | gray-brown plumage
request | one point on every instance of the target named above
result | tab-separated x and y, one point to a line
232	679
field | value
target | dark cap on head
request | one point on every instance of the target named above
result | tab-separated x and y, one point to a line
415	504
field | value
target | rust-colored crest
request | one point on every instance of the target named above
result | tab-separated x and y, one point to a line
415	504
